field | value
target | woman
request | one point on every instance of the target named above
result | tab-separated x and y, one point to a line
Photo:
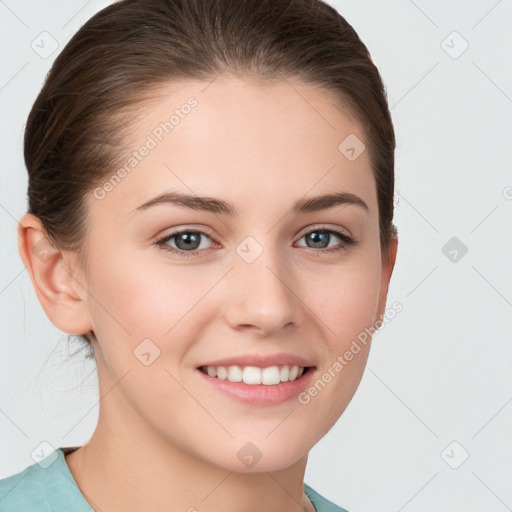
211	207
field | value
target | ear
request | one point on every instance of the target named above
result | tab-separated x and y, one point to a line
60	293
388	264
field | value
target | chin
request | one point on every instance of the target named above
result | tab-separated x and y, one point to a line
258	457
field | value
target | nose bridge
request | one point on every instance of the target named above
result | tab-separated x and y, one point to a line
261	287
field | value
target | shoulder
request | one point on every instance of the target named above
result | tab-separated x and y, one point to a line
29	490
320	503
24	491
46	486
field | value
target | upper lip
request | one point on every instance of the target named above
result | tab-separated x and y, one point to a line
261	361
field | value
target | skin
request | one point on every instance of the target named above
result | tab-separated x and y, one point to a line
260	146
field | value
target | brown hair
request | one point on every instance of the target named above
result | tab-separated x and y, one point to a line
75	129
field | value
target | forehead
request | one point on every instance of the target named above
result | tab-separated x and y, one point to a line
231	138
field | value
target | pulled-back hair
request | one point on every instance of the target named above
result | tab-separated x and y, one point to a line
127	50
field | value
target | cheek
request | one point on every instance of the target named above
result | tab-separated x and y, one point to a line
144	300
169	304
347	300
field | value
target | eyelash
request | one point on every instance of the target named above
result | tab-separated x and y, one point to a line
162	242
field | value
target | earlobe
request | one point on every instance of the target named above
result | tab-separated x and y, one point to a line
60	294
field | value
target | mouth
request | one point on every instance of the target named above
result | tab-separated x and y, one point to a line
255	375
257	385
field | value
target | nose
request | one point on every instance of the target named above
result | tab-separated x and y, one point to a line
263	296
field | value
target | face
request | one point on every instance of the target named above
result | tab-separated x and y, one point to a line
259	276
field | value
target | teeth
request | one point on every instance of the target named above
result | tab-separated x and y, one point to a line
222	373
270	376
235	374
254	375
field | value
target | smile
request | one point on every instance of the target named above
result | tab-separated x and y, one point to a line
258	386
253	375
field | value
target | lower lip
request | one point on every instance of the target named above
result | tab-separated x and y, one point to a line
261	394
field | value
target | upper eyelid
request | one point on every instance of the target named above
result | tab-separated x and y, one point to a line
179	231
322	227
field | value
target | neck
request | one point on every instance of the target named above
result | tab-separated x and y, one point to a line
127	467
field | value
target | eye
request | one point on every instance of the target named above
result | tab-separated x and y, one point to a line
319	237
187	242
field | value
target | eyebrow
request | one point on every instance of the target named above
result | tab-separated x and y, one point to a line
210	204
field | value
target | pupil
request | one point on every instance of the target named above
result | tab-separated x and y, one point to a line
318	237
190	239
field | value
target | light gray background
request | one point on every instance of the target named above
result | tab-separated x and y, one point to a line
441	370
